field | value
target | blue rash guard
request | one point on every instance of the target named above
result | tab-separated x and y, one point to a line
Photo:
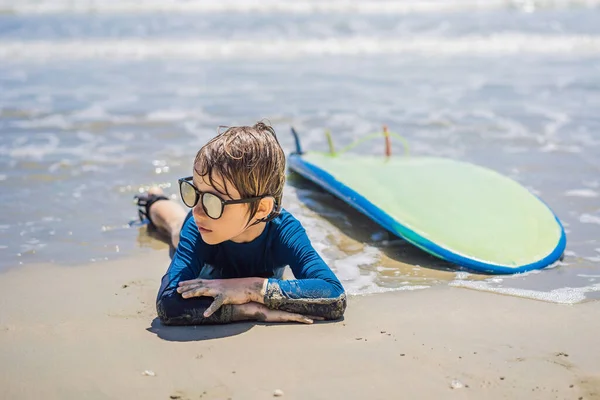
315	292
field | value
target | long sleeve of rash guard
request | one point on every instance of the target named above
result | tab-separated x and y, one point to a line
171	307
316	291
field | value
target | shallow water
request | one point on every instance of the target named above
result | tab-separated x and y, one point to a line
101	100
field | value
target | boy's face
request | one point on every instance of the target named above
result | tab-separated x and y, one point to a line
232	224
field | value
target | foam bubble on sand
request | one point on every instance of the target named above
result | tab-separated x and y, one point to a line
567	295
3	177
357	288
410	287
589	219
348	267
461	275
581	193
593	259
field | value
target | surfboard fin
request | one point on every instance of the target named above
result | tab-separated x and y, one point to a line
330	142
388	141
297	140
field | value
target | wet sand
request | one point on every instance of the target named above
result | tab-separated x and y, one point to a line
91	332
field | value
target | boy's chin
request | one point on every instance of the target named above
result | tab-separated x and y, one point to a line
209	239
206	238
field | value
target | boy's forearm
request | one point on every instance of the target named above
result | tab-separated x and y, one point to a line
248	312
174	310
306	297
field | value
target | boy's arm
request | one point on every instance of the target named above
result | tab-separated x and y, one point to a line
316	291
242	312
173	309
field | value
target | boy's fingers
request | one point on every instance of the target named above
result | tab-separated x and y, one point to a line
201	291
187	288
316	318
182	289
191	282
215	305
194	293
297	318
284	316
305	320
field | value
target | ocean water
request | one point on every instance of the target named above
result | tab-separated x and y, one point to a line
101	99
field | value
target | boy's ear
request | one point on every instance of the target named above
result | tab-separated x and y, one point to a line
265	207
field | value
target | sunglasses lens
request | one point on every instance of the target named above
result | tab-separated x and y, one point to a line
188	194
212	205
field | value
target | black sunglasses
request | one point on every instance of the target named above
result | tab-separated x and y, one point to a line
211	203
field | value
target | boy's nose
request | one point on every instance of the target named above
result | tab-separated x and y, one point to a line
198	210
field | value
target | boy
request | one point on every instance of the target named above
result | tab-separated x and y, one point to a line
232	247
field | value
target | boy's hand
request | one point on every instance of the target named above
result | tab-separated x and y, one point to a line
224	291
260	312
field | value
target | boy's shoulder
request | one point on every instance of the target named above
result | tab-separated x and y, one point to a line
285	217
285	221
286	231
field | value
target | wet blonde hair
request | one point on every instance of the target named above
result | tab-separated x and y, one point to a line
249	157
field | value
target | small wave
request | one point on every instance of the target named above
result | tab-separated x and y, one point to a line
589	219
173	115
555	147
478	45
36	148
567	295
582	193
49	121
94	112
592	184
281	6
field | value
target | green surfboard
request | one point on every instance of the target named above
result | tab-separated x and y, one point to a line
463	213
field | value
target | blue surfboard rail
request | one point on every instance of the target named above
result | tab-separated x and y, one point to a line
359	202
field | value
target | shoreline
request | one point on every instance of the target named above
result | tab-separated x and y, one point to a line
70	332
